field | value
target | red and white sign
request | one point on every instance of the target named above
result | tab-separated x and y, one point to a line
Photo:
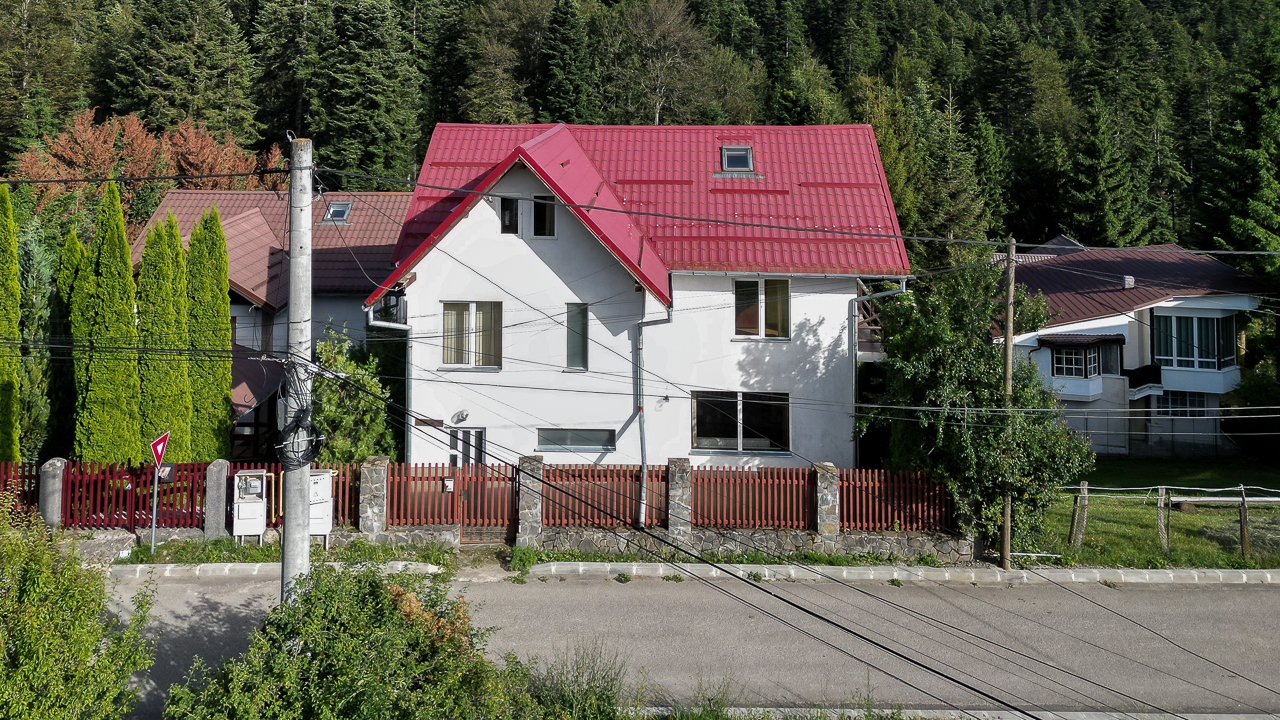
157	447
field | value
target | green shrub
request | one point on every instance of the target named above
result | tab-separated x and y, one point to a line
587	683
359	644
63	656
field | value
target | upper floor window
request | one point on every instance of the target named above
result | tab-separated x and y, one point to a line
736	158
1086	362
544	216
575	323
473	334
762	308
509	216
1194	342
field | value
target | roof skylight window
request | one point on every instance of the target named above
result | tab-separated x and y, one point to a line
736	159
337	212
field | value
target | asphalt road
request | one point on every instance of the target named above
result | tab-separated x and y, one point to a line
680	639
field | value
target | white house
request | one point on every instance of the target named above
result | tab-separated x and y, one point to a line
1143	343
631	294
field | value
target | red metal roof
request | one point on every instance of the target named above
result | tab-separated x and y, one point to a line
342	254
1089	283
805	178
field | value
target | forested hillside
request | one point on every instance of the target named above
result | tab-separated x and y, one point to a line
1116	122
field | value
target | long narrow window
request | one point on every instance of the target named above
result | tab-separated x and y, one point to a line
1162	330
478	347
742	422
762	308
509	215
544	216
576	336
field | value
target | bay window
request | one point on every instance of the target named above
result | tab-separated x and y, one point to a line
1202	343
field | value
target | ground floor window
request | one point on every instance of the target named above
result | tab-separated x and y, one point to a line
742	421
559	439
466	446
1176	403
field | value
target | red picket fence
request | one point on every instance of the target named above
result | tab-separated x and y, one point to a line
874	499
733	497
21	479
605	495
101	495
416	495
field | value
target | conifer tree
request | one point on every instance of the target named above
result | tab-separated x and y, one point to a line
565	94
10	331
166	394
63	378
209	327
105	333
38	119
991	164
1105	197
37	264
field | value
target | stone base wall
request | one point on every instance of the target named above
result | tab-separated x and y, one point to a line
947	548
446	535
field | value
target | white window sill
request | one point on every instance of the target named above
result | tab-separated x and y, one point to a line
575	370
468	368
539	237
573	448
742	453
752	338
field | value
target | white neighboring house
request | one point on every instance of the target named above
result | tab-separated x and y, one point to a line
1143	344
529	320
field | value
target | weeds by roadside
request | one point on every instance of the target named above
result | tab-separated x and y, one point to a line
521	559
226	550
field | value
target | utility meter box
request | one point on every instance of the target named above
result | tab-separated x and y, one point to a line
321	502
249	505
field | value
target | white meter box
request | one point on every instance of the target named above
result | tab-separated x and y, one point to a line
249	504
321	497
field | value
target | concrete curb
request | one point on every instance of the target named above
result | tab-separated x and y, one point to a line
207	570
884	573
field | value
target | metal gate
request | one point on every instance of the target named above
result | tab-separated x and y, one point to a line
487	503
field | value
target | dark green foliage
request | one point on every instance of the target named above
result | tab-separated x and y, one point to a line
10	331
37	120
105	333
350	412
63	379
66	655
37	264
209	329
940	354
565	93
185	59
162	367
359	644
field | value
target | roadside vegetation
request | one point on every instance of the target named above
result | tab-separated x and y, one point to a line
1212	473
226	550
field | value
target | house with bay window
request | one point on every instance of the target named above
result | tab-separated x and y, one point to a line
631	294
1142	345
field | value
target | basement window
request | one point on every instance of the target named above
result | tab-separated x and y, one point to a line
561	439
337	213
736	159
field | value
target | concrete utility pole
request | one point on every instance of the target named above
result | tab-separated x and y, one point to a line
1011	265
296	543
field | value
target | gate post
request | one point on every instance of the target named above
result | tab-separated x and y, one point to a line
373	496
215	499
51	491
529	489
828	500
680	502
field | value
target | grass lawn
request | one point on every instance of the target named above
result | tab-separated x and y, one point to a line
1139	472
225	550
1122	533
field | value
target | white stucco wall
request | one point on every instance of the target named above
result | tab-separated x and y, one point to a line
534	279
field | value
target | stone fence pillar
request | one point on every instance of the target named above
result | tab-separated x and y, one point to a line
529	491
215	499
51	491
373	496
680	502
828	499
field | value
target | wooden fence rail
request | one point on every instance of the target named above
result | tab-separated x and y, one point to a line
602	495
754	497
22	480
108	495
874	500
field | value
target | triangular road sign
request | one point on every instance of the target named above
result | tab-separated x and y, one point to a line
157	447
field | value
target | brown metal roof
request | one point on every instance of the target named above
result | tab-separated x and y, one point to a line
253	379
342	253
1090	284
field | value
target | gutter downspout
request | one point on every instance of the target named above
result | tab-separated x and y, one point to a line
857	319
644	453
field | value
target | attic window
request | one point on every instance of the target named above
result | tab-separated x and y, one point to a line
736	159
337	212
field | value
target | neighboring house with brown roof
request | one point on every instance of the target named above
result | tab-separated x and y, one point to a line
353	238
1142	345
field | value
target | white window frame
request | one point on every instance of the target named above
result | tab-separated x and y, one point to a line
761	310
1179	403
736	150
739	448
515	208
1074	369
553	447
1204	354
346	205
467	443
585	336
472	335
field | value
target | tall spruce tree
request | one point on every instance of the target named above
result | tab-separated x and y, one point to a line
37	264
105	334
209	327
10	332
166	393
565	91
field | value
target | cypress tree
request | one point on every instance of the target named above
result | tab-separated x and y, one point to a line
166	397
62	375
36	262
209	327
566	93
10	331
180	447
105	332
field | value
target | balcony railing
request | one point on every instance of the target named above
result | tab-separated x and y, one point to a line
1145	375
